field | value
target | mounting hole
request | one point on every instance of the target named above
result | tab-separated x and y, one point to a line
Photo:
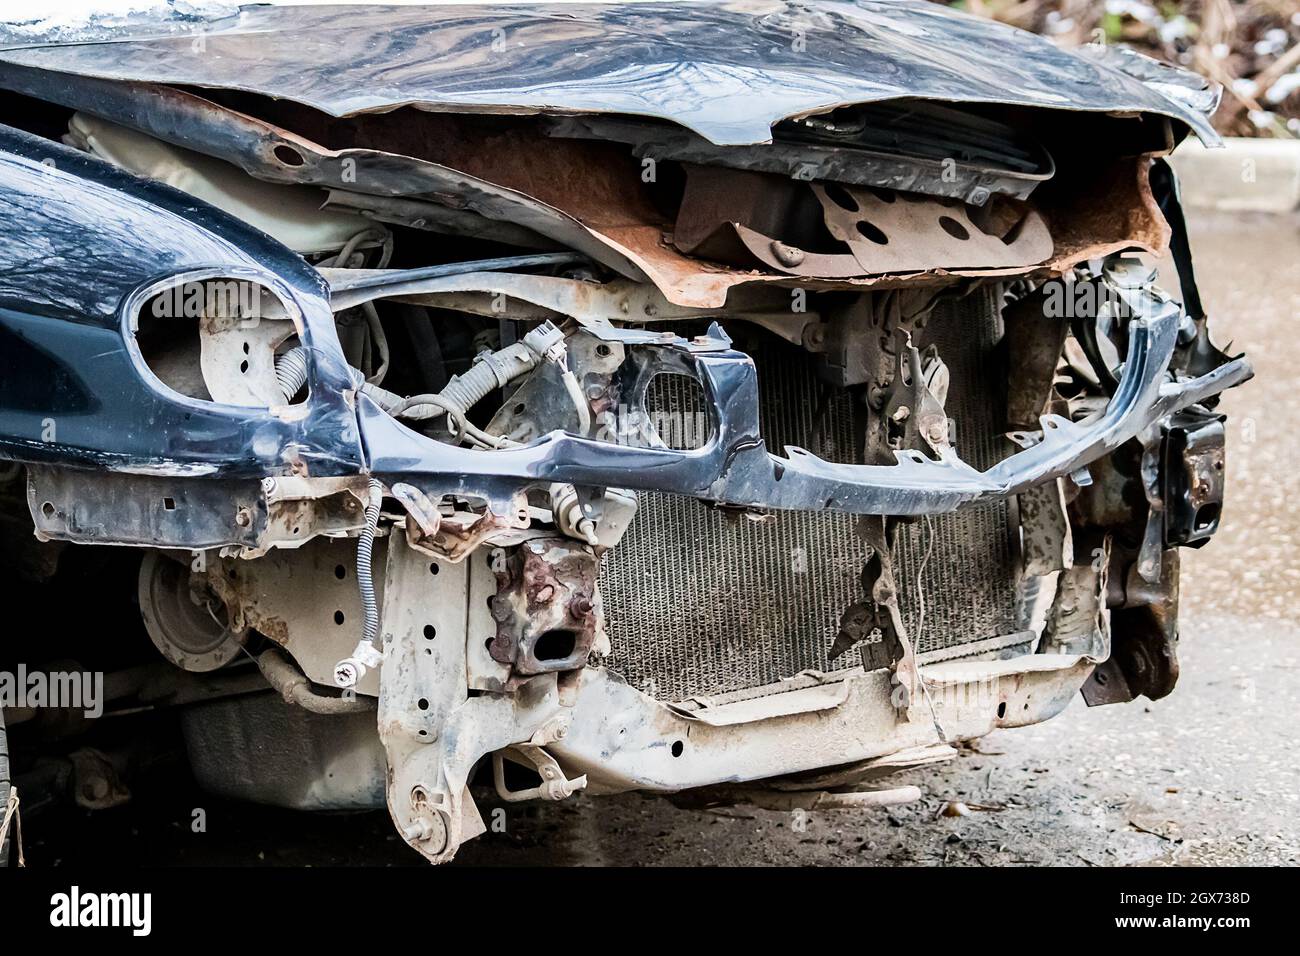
430	632
678	748
953	228
422	703
169	504
340	571
603	350
1002	709
1206	516
288	155
520	408
243	366
872	233
433	568
245	348
338	617
840	196
47	509
555	645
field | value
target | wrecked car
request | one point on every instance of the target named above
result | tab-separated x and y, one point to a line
733	401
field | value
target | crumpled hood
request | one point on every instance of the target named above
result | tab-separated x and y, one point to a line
728	71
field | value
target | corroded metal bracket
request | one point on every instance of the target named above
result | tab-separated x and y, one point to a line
433	731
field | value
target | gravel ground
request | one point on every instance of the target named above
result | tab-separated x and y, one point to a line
1207	775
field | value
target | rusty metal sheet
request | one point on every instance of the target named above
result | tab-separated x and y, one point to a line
584	195
892	232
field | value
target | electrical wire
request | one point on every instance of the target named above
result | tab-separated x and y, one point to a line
365	575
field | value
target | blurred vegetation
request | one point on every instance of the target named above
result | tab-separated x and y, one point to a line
1250	47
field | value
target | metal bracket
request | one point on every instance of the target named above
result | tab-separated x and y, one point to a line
432	730
555	785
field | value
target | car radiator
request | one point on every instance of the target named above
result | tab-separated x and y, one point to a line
701	602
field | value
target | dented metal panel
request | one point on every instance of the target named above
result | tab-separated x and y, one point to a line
727	71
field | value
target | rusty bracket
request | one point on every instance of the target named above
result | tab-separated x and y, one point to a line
905	676
869	625
547	607
554	786
891	232
914	415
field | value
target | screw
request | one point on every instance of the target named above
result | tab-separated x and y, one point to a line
346	673
418	831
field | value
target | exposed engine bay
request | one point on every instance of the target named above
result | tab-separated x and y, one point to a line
665	434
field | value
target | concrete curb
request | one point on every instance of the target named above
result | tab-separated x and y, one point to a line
1258	175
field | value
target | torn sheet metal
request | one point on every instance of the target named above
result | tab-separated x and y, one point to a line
821	148
576	194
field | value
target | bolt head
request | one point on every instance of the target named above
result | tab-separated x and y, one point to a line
346	673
